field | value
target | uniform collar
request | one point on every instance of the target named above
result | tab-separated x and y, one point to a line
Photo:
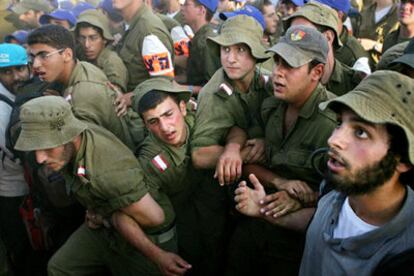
141	11
226	89
312	102
337	73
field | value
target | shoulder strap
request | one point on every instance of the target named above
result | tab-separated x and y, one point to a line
6	100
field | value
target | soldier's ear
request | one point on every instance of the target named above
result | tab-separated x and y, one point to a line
317	71
330	36
67	55
183	108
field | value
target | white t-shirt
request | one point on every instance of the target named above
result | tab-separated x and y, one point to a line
349	224
381	13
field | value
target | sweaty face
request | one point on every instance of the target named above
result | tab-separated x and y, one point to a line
406	12
359	159
290	84
48	62
92	43
13	77
237	61
270	16
166	122
56	158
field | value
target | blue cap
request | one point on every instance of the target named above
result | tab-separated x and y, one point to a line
211	5
81	7
19	35
298	3
59	14
113	14
246	10
12	55
339	5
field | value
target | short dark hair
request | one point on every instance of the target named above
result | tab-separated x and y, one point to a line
54	36
153	98
87	25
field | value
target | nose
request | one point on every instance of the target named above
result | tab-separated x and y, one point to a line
163	126
338	139
87	43
231	56
41	156
36	62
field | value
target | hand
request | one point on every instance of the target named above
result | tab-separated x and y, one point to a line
247	199
367	44
93	220
172	264
122	101
256	153
279	204
299	190
229	165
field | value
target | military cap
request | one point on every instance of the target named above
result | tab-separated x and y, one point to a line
241	29
47	122
318	14
300	45
396	51
27	5
97	19
407	57
113	14
159	84
384	97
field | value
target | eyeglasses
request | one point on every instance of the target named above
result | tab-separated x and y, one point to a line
43	56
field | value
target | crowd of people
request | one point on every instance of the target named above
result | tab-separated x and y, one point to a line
207	137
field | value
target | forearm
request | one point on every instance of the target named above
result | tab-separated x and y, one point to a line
133	233
207	157
297	221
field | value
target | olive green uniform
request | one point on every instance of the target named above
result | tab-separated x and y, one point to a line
106	177
343	79
202	63
351	49
179	18
179	181
278	251
144	23
168	21
93	101
393	38
113	67
221	107
6	27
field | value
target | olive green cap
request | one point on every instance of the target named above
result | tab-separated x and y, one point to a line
318	14
47	122
241	29
300	45
97	19
27	5
387	59
159	84
384	97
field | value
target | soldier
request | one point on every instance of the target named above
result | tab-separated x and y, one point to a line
201	63
403	62
30	11
86	88
146	49
369	216
351	49
289	176
92	32
338	77
139	220
406	24
165	156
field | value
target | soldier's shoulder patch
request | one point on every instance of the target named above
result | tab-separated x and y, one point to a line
160	162
226	88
